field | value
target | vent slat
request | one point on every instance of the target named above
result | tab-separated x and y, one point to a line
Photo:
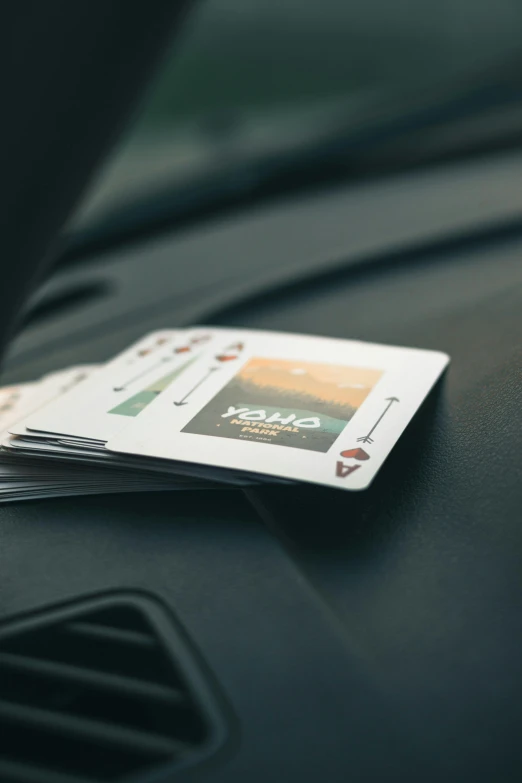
18	772
102	690
91	678
92	731
93	630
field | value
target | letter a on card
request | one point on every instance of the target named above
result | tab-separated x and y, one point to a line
342	470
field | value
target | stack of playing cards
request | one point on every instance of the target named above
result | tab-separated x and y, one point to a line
207	407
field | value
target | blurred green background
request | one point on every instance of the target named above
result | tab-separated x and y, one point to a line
263	54
253	71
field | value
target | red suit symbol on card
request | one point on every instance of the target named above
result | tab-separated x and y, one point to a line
359	454
230	353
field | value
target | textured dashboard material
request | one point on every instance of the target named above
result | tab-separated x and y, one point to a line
370	636
97	308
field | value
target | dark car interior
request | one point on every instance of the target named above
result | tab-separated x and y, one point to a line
282	633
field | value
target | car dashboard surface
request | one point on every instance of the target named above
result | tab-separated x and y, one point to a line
320	635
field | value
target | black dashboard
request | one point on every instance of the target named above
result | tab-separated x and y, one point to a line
372	636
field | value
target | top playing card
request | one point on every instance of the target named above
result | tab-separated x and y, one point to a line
292	406
121	390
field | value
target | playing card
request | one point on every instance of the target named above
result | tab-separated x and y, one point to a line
30	397
303	408
37	464
100	457
120	390
15	402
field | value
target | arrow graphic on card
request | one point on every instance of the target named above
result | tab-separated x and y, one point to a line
367	438
126	384
201	381
230	354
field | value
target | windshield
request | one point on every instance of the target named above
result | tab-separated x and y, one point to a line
251	80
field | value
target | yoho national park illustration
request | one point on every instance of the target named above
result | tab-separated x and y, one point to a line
304	405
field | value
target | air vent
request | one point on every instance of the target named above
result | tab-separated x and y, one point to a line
101	690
